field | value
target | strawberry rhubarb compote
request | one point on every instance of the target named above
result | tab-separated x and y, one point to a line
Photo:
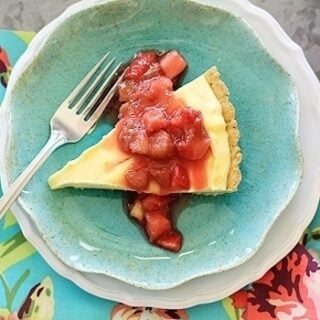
163	135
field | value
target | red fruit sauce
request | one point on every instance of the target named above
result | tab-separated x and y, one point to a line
163	135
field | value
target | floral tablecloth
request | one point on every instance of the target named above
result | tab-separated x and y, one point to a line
30	289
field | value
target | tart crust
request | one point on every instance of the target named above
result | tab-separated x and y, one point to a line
222	93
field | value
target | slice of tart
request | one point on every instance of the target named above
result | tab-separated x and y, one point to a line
107	165
166	142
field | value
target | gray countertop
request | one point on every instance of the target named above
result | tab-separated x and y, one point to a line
299	18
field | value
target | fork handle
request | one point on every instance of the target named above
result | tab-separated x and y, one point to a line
56	140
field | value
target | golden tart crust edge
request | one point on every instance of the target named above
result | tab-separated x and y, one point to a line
222	93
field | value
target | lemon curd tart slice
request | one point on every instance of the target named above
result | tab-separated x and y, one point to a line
166	142
105	164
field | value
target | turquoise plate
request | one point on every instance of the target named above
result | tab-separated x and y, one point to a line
87	229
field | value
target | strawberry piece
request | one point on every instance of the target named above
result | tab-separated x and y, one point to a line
179	178
140	145
151	91
132	136
171	240
152	212
193	148
187	131
140	65
123	110
184	116
138	179
157	224
162	175
153	71
153	202
161	145
172	64
154	120
146	57
135	71
160	84
159	87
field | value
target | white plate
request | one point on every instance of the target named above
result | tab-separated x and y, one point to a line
289	227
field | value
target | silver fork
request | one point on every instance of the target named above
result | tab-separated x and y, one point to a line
73	119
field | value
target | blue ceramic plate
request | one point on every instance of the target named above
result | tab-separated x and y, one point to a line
87	229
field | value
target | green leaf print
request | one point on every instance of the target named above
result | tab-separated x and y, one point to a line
14	250
9	220
231	311
10	293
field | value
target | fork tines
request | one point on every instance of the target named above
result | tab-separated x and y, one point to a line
85	96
